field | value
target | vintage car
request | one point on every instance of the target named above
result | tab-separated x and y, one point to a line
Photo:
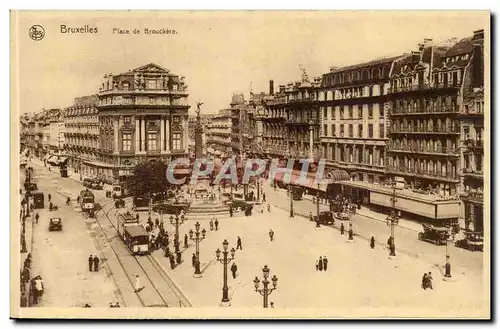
434	234
55	224
119	203
472	241
325	218
341	216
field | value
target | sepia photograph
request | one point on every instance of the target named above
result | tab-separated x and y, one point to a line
250	164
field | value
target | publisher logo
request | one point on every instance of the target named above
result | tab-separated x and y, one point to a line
37	32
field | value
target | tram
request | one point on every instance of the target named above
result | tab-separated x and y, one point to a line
87	200
133	234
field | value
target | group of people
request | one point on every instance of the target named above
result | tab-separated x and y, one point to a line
427	281
93	263
322	264
214	223
114	305
25	278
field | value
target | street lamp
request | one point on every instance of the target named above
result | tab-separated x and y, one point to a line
176	222
317	208
351	212
393	220
447	266
225	262
197	238
265	291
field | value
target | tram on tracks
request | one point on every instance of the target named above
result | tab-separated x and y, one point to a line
87	201
133	234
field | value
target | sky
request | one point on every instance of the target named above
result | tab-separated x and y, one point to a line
219	53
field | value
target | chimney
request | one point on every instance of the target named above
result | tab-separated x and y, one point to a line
282	88
415	56
271	87
478	37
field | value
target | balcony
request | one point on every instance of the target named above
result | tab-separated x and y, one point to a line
469	172
474	144
303	121
425	130
404	111
430	86
274	118
429	174
425	151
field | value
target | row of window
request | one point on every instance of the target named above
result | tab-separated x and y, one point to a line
343	77
348	112
351	132
151	141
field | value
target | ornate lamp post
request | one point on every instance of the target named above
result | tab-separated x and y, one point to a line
225	260
351	212
197	239
265	291
447	266
393	220
176	223
317	208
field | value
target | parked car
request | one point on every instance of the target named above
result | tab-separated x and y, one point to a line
55	224
325	218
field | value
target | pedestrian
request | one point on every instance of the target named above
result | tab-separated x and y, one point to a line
216	224
264	197
138	286
230	211
268	207
90	263
325	263
372	242
234	268
429	280
157	222
424	281
320	265
193	260
111	304
186	241
37	216
50	197
96	263
272	304
310	216
238	244
271	234
211	224
342	229
317	265
389	243
117	304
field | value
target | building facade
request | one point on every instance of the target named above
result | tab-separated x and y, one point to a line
82	135
219	134
291	124
353	112
143	116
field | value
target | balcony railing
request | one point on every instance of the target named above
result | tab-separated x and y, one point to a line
434	130
424	173
426	86
425	110
303	121
472	172
422	150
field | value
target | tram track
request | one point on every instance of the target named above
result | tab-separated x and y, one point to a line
168	295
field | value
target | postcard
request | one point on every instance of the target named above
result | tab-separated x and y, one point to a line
250	164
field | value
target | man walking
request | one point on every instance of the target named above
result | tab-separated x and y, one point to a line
263	197
271	234
90	263
320	265
193	260
342	229
238	244
234	268
96	263
37	216
211	224
186	241
325	263
372	242
216	224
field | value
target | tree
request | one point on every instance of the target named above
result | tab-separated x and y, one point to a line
148	177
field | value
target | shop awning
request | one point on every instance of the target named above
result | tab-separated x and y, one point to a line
310	180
